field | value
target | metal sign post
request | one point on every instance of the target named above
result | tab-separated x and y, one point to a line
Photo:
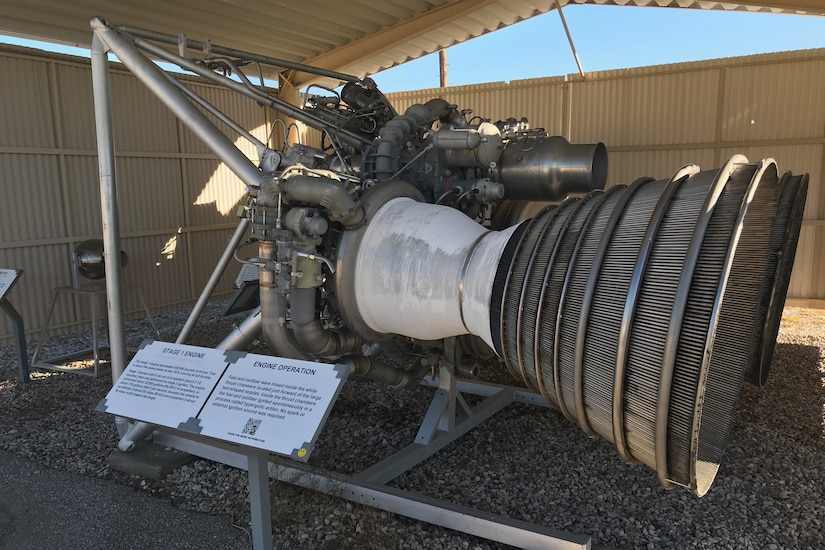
258	403
7	279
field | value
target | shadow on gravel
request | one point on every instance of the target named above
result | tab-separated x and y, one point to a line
793	400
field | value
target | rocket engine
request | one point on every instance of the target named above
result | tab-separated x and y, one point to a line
636	310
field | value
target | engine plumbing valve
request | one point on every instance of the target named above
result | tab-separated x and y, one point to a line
306	226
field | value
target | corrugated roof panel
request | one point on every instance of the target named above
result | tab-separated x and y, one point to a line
299	32
392	9
692	4
481	21
25	109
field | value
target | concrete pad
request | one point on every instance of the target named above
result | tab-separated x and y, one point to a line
149	460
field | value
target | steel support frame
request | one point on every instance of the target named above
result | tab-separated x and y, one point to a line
94	293
106	39
447	419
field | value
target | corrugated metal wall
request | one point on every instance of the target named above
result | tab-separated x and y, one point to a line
655	119
177	202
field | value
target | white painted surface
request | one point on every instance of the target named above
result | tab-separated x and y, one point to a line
409	271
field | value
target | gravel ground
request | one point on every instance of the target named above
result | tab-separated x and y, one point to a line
527	463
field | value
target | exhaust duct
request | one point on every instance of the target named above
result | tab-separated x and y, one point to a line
634	310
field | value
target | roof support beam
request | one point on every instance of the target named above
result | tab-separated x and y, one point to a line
386	39
569	38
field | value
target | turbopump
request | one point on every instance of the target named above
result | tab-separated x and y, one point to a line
440	237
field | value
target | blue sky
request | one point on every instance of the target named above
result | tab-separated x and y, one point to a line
606	37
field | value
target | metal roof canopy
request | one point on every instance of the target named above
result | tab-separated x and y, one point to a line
357	37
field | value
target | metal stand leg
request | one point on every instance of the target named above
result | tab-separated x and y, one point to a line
95	336
95	293
446	406
44	332
259	504
20	340
146	309
435	432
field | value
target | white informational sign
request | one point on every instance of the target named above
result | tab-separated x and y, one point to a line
269	403
165	382
7	278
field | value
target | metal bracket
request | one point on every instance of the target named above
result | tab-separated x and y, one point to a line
94	293
369	486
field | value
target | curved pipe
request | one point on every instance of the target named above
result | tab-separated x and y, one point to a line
273	311
446	112
366	368
391	136
331	194
310	334
273	325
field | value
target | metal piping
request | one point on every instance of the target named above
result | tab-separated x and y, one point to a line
331	194
108	204
366	368
156	81
243	334
260	146
279	105
310	333
211	48
392	135
213	281
273	311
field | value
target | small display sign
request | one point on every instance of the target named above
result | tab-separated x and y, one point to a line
260	401
7	279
